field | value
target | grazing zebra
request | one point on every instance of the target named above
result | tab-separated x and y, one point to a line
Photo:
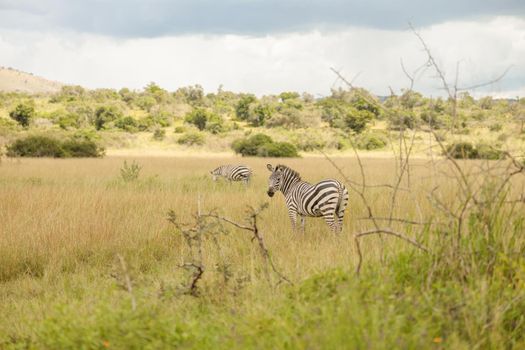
232	173
327	198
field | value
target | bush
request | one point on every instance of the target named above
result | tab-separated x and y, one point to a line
249	146
277	149
462	150
179	129
242	110
106	114
159	134
43	146
466	150
370	142
343	115
263	146
76	148
23	113
432	119
68	121
288	117
488	152
129	173
205	120
402	119
191	138
127	124
36	146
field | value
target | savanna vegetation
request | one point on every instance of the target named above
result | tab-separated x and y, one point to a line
115	252
120	253
189	118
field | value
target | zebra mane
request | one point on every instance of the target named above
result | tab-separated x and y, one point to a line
290	171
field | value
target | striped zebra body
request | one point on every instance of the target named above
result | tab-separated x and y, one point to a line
232	173
327	199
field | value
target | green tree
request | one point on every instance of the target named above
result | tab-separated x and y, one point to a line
23	113
106	114
344	115
205	120
259	114
288	95
242	110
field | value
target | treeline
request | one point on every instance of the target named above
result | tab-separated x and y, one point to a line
347	115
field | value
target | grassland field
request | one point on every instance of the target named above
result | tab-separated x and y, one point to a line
65	222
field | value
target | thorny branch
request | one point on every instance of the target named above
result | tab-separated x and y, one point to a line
254	229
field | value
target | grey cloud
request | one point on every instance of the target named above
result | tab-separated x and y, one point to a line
135	18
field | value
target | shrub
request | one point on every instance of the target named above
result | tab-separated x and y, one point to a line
162	118
36	146
462	150
308	140
263	146
466	150
131	172
127	124
432	119
287	117
77	148
205	120
402	119
214	124
343	115
242	110
488	152
191	138
277	149
146	123
68	121
249	146
23	113
259	114
370	142
7	123
159	134
43	146
106	114
179	129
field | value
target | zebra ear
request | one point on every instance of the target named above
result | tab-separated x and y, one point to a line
270	167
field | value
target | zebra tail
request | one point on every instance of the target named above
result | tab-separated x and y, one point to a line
339	201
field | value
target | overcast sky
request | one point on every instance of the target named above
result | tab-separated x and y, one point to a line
264	47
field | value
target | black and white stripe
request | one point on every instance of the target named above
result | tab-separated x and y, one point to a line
327	199
232	173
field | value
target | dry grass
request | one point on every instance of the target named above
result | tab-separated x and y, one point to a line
65	221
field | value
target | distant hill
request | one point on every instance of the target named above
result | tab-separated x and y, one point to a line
12	80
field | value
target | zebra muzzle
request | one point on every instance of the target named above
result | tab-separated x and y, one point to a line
270	193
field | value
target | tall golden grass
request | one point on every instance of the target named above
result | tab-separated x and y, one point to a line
64	221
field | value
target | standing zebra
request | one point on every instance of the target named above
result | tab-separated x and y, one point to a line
232	173
327	198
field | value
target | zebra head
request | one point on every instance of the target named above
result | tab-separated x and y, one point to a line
275	180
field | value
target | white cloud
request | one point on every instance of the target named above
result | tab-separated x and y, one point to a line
275	63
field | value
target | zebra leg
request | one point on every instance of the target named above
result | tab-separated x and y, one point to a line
293	218
330	220
341	212
303	220
340	216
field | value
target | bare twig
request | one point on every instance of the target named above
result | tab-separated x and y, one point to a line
253	213
127	281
